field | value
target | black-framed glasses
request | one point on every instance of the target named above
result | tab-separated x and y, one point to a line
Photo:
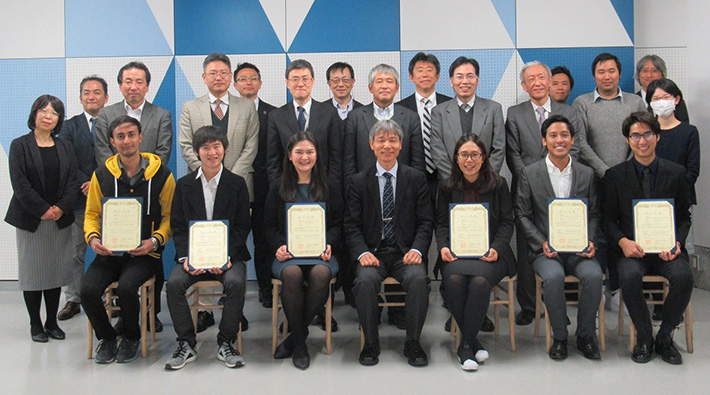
636	137
472	155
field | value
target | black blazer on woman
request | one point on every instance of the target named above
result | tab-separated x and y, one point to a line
27	177
500	220
275	217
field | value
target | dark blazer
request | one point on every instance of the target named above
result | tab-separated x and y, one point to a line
500	220
357	153
325	124
261	182
27	178
231	203
621	187
413	214
275	222
76	131
410	101
531	204
681	110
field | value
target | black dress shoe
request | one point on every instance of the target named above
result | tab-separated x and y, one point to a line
667	350
281	328
205	319
266	297
642	353
301	359
245	324
158	325
588	348
397	318
415	353
487	325
447	324
525	317
319	320
369	354
55	332
285	349
558	351
70	310
39	335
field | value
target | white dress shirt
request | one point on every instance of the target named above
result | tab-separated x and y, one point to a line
135	114
209	190
561	180
306	112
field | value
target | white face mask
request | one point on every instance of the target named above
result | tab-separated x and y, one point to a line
663	108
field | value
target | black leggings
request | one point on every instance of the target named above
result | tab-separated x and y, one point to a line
468	298
33	301
303	294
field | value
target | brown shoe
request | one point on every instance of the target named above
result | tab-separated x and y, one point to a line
70	310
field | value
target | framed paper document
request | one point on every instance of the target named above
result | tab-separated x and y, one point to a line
568	225
468	229
208	245
305	229
121	223
654	224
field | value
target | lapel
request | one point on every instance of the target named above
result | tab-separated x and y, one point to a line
314	117
223	198
402	184
531	125
542	174
660	187
369	115
291	119
454	120
197	199
479	116
36	157
633	184
84	129
575	181
205	110
398	114
232	111
373	191
146	115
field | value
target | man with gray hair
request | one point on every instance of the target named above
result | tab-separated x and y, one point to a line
524	147
650	68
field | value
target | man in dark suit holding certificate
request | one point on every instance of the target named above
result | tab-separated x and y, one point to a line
646	176
209	193
388	227
559	176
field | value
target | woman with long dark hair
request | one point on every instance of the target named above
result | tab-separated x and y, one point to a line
306	281
468	282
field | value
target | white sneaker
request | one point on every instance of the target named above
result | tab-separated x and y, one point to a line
469	365
182	355
481	355
230	356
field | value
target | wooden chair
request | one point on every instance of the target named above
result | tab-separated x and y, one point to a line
506	285
688	321
195	306
147	314
540	304
276	306
386	281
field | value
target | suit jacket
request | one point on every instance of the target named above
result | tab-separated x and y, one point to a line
76	131
500	225
531	202
446	130
410	101
156	125
357	154
261	181
242	134
325	124
681	110
413	215
27	177
621	187
231	203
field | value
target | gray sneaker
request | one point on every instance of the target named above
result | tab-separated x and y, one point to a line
128	350
182	355
230	356
106	351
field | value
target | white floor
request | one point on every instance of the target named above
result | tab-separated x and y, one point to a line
62	367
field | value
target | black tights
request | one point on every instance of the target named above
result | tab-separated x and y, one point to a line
303	294
33	301
468	298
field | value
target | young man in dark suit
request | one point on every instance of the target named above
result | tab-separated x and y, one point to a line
646	176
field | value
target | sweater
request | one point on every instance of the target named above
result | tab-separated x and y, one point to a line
681	145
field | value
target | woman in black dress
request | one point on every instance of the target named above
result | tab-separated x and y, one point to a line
468	282
306	281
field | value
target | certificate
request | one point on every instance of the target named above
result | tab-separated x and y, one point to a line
468	227
305	229
568	225
208	245
121	223
654	224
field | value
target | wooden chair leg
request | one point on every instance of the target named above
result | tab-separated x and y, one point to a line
274	316
622	306
328	323
151	311
239	339
144	321
632	336
90	339
496	311
538	307
689	328
511	315
548	331
602	325
362	339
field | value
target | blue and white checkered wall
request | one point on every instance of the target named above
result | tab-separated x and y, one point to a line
50	45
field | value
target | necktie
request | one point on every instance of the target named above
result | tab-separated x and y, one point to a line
218	109
426	136
93	126
465	107
301	118
646	182
540	116
388	211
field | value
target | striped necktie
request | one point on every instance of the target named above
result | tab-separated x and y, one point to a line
426	136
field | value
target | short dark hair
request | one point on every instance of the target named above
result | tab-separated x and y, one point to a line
299	64
134	65
565	71
96	78
246	65
208	134
461	60
216	57
339	66
120	121
644	117
554	119
662	83
603	57
425	57
42	102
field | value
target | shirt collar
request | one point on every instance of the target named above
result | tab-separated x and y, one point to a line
639	167
256	103
306	106
619	95
88	118
348	106
143	165
432	98
381	170
470	103
216	178
547	106
224	98
551	168
130	109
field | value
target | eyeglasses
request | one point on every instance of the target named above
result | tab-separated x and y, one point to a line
460	77
298	80
667	96
223	74
254	78
344	80
464	156
636	137
46	112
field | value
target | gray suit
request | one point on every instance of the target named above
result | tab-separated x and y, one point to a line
446	130
242	134
531	213
156	125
